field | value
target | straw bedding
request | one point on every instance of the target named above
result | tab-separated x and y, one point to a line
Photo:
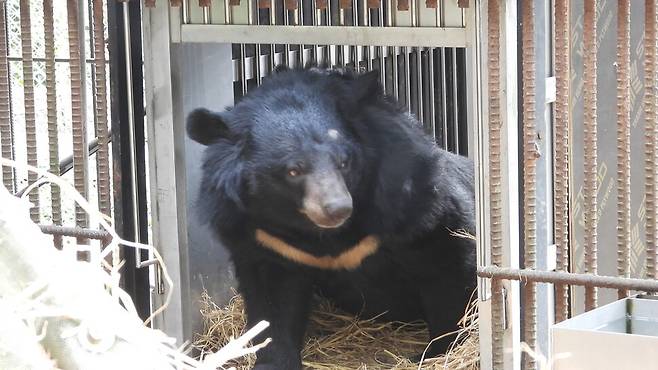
339	341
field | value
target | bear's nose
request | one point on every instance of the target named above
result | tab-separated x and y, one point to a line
338	209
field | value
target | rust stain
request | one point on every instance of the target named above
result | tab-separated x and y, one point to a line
291	4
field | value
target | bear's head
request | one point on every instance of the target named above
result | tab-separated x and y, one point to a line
287	153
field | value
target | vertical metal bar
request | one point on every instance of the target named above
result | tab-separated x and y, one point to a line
650	133
561	168
131	130
432	102
495	195
444	98
590	182
78	121
228	14
243	68
255	18
455	98
272	46
185	10
383	50
389	13
51	102
396	72
419	84
317	21
300	22
286	21
414	13
102	155
6	140
28	98
205	8
407	78
623	141
442	13
529	177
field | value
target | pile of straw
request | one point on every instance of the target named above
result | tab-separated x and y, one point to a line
340	341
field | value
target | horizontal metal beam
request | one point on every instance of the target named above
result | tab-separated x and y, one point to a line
557	277
325	35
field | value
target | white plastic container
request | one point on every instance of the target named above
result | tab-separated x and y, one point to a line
622	335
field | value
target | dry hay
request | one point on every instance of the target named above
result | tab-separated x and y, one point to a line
339	341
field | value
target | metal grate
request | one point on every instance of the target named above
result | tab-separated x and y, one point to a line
429	81
586	123
53	106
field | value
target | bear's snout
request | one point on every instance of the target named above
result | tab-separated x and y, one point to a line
327	201
339	209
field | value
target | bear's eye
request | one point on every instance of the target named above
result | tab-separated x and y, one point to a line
293	172
343	164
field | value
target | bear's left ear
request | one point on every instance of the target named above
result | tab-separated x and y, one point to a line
366	86
206	127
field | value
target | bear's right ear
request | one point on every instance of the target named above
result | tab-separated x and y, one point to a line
206	127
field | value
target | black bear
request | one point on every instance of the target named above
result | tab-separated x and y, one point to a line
318	182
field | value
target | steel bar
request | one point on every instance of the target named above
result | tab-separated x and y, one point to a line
100	113
76	232
28	99
78	120
396	71
650	132
407	78
51	103
432	101
455	98
561	162
131	131
529	178
623	141
185	9
6	139
383	50
590	182
419	86
228	12
444	98
560	277
495	195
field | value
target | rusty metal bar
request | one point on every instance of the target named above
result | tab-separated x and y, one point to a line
495	195
76	232
51	103
559	277
590	182
561	161
78	120
623	141
100	113
650	132
28	99
6	139
529	177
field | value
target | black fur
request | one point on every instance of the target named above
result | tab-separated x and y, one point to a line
404	190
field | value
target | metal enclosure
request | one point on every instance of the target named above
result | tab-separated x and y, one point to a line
195	56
